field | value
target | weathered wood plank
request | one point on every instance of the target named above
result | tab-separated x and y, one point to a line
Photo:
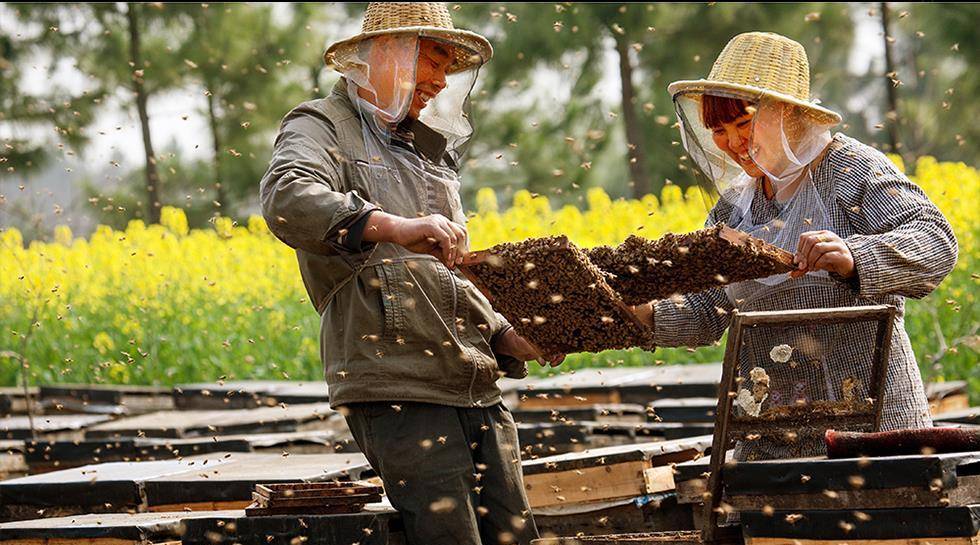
219	422
814	475
874	524
247	394
102	528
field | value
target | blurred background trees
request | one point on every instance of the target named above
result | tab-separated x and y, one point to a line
575	96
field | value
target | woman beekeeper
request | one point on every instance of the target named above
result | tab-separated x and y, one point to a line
860	231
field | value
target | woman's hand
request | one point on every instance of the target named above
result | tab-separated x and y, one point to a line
643	313
823	251
512	344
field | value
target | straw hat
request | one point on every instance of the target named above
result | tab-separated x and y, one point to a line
423	19
757	65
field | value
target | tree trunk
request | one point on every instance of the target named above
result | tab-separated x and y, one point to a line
216	141
892	116
636	145
315	78
152	178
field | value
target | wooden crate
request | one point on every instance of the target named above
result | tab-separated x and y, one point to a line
609	473
312	498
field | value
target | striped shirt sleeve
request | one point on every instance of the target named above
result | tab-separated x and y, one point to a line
903	244
694	319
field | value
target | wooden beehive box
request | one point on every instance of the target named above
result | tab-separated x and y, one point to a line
312	498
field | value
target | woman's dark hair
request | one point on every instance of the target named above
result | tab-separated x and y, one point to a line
716	110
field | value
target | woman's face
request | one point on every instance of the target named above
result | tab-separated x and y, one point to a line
734	138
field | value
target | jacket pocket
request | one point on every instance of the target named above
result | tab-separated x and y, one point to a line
392	301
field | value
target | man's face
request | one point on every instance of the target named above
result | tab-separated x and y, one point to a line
430	74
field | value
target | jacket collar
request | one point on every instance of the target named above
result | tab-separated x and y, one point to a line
427	142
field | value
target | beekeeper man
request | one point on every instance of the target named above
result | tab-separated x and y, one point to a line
364	185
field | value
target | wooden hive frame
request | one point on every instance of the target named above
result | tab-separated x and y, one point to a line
592	316
643	270
884	315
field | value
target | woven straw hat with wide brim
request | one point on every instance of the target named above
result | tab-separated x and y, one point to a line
423	19
758	65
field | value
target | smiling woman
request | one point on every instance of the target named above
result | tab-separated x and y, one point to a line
730	122
862	232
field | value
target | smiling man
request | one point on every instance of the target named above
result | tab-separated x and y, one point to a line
363	185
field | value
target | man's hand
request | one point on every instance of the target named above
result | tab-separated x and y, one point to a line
823	251
434	234
512	344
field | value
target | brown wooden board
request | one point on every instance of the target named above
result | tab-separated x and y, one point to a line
13	400
48	426
654	512
217	422
691	409
378	524
247	394
259	511
660	451
234	479
622	413
642	270
651	538
639	385
170	484
12	464
969	415
731	535
770	477
44	456
853	524
605	474
966	492
939	390
336	489
137	527
555	297
313	501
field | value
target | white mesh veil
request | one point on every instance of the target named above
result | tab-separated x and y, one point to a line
381	80
784	143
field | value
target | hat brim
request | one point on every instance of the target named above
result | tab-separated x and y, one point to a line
700	86
476	50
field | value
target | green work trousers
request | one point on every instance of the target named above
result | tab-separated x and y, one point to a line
454	474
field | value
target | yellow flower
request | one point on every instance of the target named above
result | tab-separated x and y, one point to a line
103	342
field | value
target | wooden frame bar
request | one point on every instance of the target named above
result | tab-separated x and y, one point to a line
883	314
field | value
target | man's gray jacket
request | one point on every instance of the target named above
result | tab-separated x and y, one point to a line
394	325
